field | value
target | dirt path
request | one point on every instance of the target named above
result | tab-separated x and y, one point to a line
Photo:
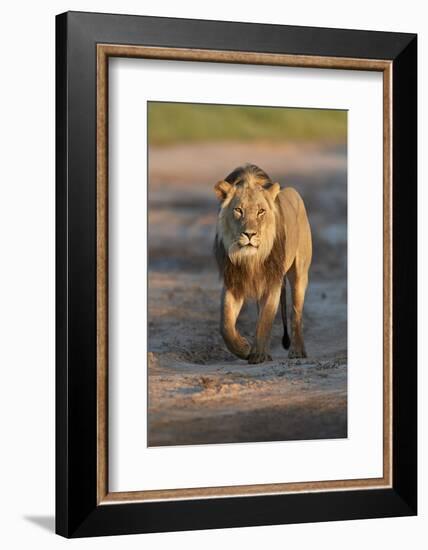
198	392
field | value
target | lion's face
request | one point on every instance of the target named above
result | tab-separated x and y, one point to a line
246	222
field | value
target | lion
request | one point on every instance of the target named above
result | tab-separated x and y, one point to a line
263	238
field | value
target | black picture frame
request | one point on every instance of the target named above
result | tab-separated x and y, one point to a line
77	511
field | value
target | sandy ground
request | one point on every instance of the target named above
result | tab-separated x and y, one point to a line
198	392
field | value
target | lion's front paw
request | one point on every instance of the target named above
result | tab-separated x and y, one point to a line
239	346
296	353
243	349
256	357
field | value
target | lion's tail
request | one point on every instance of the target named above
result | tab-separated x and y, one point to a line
285	338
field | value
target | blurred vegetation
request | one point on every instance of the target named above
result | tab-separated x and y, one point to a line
170	123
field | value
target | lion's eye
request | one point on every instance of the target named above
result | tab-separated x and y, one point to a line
238	211
261	212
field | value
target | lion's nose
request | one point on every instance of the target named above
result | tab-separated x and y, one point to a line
249	234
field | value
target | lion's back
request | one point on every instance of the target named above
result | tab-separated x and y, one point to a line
296	223
290	198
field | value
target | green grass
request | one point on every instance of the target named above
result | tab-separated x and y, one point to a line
170	123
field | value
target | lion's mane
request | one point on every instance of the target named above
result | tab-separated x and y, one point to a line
257	273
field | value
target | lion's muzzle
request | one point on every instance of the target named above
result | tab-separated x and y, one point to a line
249	238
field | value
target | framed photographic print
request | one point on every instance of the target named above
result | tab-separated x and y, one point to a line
236	274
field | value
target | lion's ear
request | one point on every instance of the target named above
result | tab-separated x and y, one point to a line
273	190
222	189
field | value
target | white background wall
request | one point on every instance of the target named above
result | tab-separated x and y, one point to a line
27	88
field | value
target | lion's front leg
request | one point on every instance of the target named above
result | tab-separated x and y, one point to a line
230	308
268	308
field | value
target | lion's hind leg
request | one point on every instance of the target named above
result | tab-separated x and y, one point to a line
299	281
285	338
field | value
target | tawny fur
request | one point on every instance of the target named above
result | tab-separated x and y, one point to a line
263	235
